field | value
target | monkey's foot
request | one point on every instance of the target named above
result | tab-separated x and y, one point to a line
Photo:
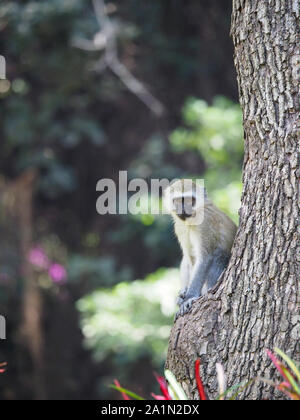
185	307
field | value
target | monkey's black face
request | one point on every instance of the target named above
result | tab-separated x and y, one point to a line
184	207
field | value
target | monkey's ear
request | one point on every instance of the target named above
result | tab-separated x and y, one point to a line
166	191
201	188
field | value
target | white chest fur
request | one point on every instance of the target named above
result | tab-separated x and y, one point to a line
190	241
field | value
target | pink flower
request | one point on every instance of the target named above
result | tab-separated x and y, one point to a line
38	258
58	273
2	367
4	278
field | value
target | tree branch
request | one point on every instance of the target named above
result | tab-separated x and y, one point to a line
106	40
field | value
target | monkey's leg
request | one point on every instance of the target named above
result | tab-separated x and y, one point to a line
199	277
219	263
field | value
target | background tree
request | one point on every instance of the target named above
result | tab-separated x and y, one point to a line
72	126
256	305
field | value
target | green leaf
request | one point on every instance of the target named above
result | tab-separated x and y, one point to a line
178	392
240	387
290	362
291	380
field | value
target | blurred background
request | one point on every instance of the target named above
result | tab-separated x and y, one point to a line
91	298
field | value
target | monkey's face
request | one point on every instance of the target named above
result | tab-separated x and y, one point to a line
184	200
184	207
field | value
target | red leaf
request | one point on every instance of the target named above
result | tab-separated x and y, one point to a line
199	382
158	397
277	364
163	386
285	384
117	383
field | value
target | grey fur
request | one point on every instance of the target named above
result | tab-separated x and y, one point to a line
205	278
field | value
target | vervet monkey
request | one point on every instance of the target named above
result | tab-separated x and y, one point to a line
205	235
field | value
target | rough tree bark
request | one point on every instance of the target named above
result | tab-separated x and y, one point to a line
256	304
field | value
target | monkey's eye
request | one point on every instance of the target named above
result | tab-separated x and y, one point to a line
184	205
188	201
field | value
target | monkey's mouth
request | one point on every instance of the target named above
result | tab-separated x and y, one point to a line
184	216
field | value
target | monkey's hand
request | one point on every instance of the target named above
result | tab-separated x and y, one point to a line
185	307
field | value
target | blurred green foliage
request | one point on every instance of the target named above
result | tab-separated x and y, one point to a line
75	126
45	91
129	325
215	132
98	270
131	320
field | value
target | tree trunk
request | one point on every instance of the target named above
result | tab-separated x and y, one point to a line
256	304
31	328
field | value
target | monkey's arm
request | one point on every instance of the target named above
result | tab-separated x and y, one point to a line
198	279
220	261
184	279
205	276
